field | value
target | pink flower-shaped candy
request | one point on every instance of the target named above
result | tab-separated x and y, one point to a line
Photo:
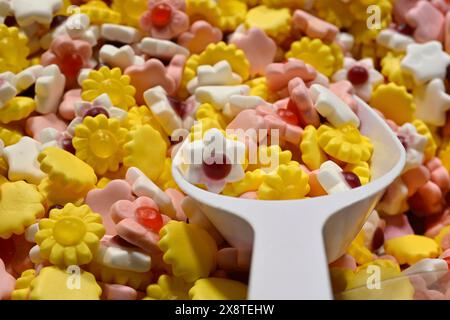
199	36
7	282
165	19
278	75
70	55
139	222
362	75
67	107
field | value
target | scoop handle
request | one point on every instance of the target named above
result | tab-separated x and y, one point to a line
280	273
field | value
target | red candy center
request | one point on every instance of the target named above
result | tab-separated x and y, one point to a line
161	15
352	179
95	111
405	29
217	167
67	145
358	75
7	250
71	65
288	116
150	218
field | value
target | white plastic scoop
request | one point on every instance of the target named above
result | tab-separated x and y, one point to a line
293	241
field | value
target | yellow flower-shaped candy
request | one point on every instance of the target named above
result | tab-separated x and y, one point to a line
145	150
135	280
207	10
359	251
130	11
111	82
165	179
57	193
232	13
251	182
315	53
21	204
276	22
207	111
411	248
292	4
361	169
64	168
312	155
189	249
335	12
9	135
394	285
431	147
13	49
286	183
214	53
268	158
100	13
258	87
218	289
99	142
17	108
345	143
168	288
70	236
54	283
391	68
138	116
22	289
395	102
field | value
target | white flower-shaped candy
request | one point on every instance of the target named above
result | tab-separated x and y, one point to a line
49	89
432	102
394	40
212	161
101	104
122	57
7	88
220	74
415	145
162	49
361	74
394	200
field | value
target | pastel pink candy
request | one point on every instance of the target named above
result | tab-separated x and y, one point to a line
278	75
258	47
199	36
101	201
346	261
447	32
415	178
401	8
118	292
299	94
175	69
314	27
177	198
247	119
7	283
232	259
123	213
67	107
344	90
439	174
34	125
151	74
427	200
442	5
397	226
428	21
252	195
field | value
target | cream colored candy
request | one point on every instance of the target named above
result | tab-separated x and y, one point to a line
432	102
394	40
331	178
7	88
219	96
30	232
120	33
220	74
332	107
122	258
238	103
163	49
49	89
156	99
394	200
142	186
29	12
28	77
119	57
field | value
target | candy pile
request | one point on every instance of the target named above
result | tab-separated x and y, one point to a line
97	98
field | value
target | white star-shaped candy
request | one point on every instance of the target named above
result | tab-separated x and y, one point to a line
394	200
49	89
239	103
22	161
28	77
432	102
7	88
122	57
117	32
219	96
28	12
220	74
330	106
102	101
142	186
426	61
394	40
213	148
159	104
331	178
415	145
163	49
